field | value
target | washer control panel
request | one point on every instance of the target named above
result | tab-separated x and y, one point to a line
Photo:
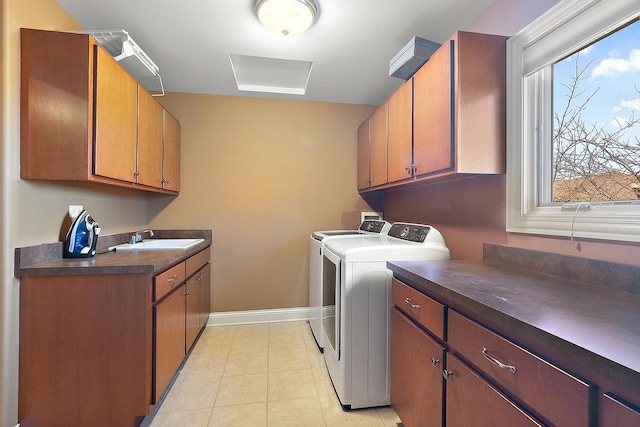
373	226
411	232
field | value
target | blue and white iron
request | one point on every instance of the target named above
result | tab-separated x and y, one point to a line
82	237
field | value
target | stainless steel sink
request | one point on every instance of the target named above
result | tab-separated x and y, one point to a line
158	244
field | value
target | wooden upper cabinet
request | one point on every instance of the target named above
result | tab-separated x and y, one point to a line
400	144
433	150
459	107
171	153
149	153
79	116
364	155
378	138
116	119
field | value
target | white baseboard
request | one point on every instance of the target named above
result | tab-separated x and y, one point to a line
259	316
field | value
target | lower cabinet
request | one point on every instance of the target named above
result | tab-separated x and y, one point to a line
416	373
181	296
483	379
169	315
616	413
472	401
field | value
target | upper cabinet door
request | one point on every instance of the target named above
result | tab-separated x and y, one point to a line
400	144
378	128
364	155
171	153
115	118
149	140
433	113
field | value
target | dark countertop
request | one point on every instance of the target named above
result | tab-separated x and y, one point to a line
46	259
593	327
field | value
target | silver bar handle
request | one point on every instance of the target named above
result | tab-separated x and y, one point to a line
498	363
172	279
434	361
408	301
447	374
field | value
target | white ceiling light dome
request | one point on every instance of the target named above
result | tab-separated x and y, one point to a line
287	17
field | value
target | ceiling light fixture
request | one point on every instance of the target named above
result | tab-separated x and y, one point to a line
286	17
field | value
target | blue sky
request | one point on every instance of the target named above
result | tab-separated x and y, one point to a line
615	70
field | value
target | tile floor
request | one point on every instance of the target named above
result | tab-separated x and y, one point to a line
230	380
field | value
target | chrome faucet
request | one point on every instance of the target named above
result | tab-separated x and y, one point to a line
137	236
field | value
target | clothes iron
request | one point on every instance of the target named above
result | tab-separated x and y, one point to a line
82	237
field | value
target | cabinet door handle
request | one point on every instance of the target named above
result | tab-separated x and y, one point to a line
408	301
172	279
201	278
447	374
408	170
434	361
498	363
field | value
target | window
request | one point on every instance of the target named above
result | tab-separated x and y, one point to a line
573	158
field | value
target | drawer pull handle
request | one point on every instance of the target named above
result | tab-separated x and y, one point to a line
497	362
408	301
447	374
201	278
172	279
434	361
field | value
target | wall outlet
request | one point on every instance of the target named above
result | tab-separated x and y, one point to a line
74	210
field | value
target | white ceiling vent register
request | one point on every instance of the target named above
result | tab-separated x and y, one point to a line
127	52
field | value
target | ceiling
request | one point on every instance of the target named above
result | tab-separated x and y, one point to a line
350	44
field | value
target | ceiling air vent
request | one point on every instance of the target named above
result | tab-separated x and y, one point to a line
127	52
411	57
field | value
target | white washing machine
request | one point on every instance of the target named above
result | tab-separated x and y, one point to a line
318	239
357	287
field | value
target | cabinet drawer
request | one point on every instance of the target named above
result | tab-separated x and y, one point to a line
195	262
617	413
547	389
424	310
165	282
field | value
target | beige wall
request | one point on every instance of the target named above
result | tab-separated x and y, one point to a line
32	212
263	174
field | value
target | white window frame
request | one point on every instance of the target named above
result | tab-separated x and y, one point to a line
563	30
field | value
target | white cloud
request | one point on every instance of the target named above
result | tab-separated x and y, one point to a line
619	122
614	67
634	104
617	108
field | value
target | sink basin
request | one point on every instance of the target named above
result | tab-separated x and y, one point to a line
157	244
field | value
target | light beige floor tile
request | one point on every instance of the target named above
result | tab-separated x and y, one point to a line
323	381
288	360
389	416
249	344
249	415
316	359
336	416
191	393
305	411
291	384
203	367
261	329
281	342
240	363
193	418
222	335
242	389
285	328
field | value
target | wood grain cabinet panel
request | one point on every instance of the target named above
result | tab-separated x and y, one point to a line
416	373
472	401
82	119
419	307
616	413
546	389
400	144
150	135
171	153
378	168
364	155
170	336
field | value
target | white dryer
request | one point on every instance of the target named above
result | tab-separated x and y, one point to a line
357	287
318	240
